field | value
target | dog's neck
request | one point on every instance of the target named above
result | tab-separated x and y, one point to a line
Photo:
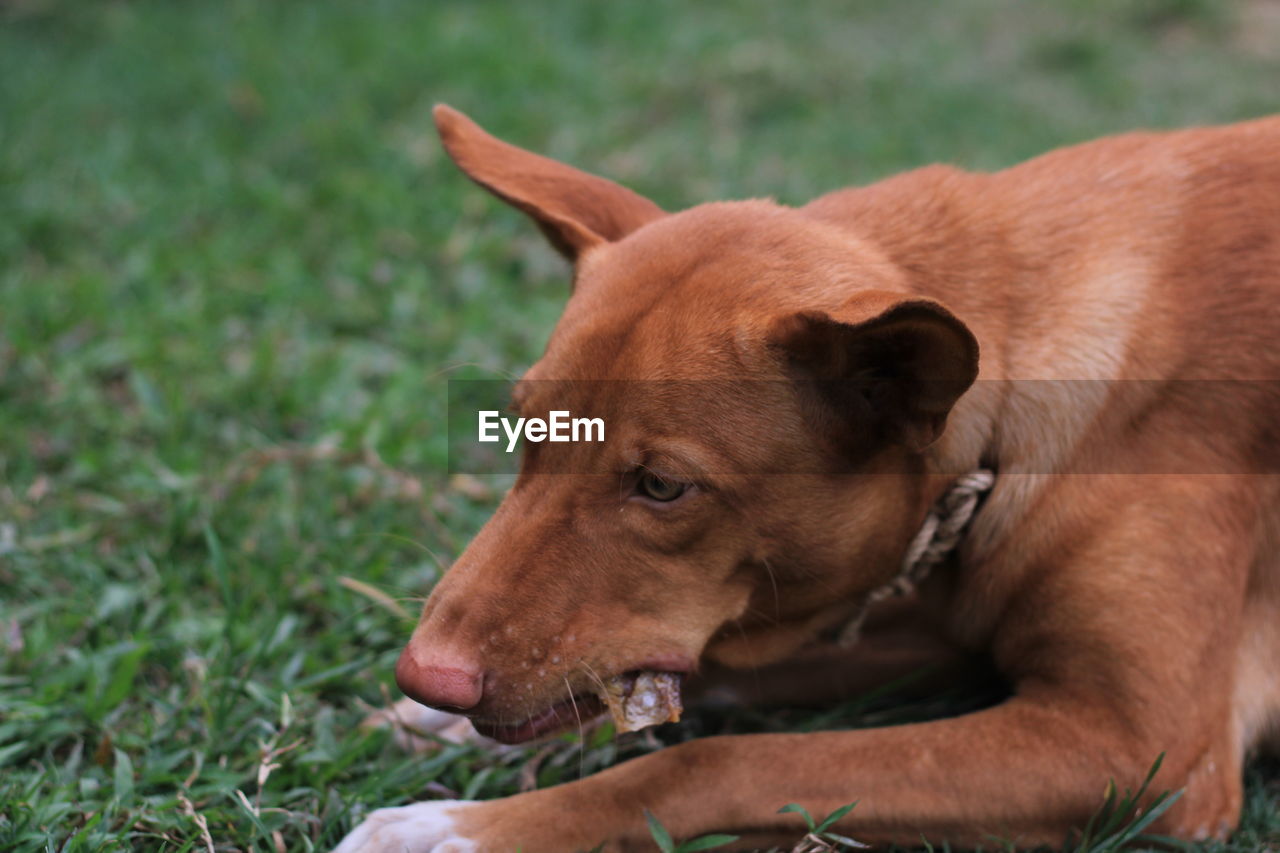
940	534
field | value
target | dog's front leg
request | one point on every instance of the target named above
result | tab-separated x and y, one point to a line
1027	770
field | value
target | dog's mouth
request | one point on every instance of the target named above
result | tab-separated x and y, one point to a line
635	700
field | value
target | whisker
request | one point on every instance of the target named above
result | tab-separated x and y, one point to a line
777	601
441	563
591	672
603	689
582	736
765	617
458	365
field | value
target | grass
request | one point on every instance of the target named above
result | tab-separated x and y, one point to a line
235	271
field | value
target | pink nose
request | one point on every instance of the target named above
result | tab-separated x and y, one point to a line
439	680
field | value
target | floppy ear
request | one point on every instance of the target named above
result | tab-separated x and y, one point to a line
575	210
893	362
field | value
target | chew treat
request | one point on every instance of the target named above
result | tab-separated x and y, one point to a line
637	700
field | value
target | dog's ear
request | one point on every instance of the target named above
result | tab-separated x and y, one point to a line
575	210
894	363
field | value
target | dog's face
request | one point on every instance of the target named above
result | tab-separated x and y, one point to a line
761	470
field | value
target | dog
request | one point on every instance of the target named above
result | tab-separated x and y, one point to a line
1096	328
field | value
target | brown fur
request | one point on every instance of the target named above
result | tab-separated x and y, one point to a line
1122	575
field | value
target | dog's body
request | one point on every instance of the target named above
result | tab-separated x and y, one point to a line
1122	575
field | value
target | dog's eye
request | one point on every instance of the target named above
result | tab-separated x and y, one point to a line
659	488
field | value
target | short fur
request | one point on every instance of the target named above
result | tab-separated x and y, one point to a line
1122	576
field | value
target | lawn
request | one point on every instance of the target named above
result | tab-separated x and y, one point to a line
236	271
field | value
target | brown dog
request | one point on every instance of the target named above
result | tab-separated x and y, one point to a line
1122	574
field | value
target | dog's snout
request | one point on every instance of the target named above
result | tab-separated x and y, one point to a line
438	679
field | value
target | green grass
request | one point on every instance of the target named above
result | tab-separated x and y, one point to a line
235	271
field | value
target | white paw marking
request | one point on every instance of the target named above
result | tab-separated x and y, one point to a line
419	828
413	725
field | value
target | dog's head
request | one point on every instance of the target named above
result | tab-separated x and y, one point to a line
768	386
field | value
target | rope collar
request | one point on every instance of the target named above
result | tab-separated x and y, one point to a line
943	528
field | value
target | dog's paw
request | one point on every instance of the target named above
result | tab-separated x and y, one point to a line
418	728
420	828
